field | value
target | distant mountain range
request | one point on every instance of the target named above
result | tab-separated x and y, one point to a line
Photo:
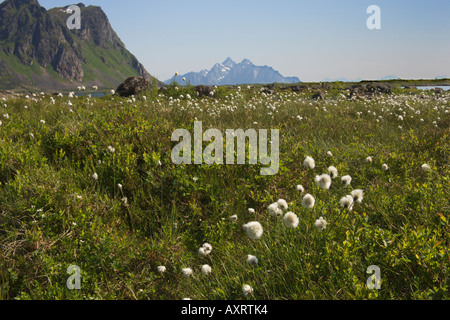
232	73
39	51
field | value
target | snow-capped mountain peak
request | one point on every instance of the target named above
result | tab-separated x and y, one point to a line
231	73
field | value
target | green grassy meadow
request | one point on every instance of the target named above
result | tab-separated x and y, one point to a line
91	183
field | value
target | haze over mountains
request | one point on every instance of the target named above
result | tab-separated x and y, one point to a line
38	50
231	73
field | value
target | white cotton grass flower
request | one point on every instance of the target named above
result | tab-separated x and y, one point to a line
234	218
254	230
346	180
252	260
385	167
120	186
300	188
309	163
195	179
282	204
323	181
95	176
161	269
274	210
347	202
357	195
251	210
329	154
426	167
290	220
333	172
187	272
308	201
247	290
111	149
206	269
205	249
369	159
207	246
321	224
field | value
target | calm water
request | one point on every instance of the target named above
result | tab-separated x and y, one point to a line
445	88
93	94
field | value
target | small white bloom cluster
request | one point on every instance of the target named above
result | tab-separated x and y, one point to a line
276	209
205	250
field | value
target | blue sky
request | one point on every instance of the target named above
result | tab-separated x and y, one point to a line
312	40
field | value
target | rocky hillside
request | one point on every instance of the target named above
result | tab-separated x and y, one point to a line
39	51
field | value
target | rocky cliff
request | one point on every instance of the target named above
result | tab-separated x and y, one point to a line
39	51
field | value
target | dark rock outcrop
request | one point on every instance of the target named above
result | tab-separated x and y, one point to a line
133	86
370	89
319	96
204	91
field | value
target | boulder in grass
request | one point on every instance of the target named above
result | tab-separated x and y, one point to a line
319	96
204	91
133	86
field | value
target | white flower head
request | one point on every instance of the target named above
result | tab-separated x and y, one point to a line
111	149
309	163
206	269
323	181
251	210
426	167
329	154
161	269
300	188
252	260
369	159
254	230
347	202
333	172
187	272
95	176
234	218
207	246
290	220
320	224
346	180
274	210
357	195
385	167
205	249
247	290
308	201
282	204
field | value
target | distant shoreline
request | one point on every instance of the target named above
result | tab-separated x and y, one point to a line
395	82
